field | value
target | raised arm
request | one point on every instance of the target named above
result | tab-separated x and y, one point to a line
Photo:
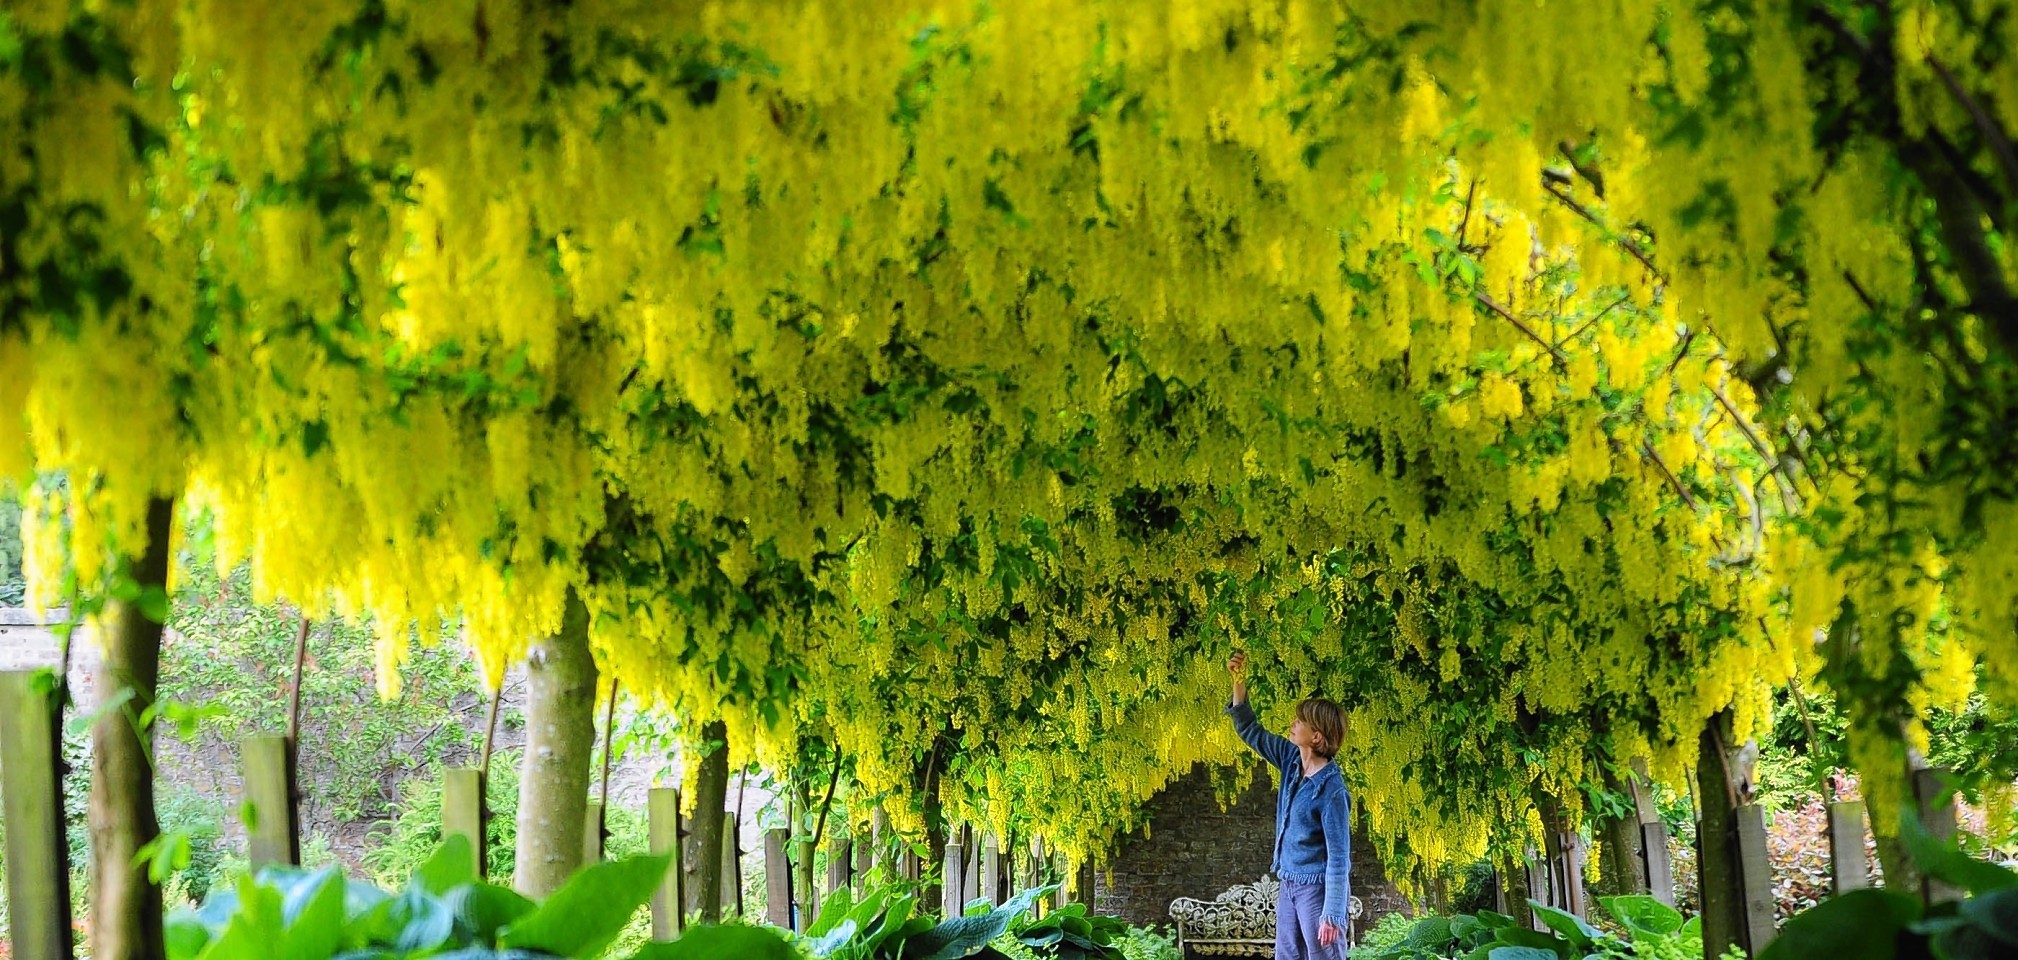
1271	746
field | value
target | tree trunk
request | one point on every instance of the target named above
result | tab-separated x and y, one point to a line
1735	883
126	906
560	743
711	797
1621	864
935	839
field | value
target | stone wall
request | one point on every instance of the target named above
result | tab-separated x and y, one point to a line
1193	848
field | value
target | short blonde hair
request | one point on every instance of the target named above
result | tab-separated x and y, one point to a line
1328	719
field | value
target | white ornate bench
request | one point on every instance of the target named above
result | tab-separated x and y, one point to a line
1239	922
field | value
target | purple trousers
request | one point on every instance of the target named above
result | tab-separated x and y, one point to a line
1298	908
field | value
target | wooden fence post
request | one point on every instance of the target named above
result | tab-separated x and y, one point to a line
1848	869
1937	815
592	834
865	861
1736	878
662	824
273	833
953	882
732	866
463	811
31	793
1656	864
777	879
994	871
840	865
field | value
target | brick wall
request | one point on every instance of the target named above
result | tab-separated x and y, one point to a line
1195	849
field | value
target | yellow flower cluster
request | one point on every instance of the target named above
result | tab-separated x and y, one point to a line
922	373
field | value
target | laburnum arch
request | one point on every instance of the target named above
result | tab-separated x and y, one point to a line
957	380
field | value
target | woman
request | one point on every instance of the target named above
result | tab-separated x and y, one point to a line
1313	827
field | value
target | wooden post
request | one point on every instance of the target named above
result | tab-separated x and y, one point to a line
1848	869
31	794
994	871
1736	881
805	898
464	812
662	824
840	865
955	863
732	866
970	875
777	879
592	834
880	845
865	860
274	834
1937	814
1657	867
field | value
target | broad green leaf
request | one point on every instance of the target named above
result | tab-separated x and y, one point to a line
313	911
1520	953
451	865
832	939
1429	933
1942	860
963	936
1859	925
719	943
1493	920
1643	915
482	909
421	922
588	911
1996	913
833	911
1572	927
186	936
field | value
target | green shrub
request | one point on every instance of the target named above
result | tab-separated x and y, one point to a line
444	910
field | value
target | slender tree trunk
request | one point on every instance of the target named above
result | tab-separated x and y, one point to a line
560	743
1621	867
711	796
935	839
126	921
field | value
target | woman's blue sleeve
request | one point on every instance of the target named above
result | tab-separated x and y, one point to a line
1272	747
1336	820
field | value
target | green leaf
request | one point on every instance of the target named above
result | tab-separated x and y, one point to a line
1520	953
186	936
963	936
1494	920
1996	913
835	909
1942	860
1572	927
482	909
1429	933
1859	925
452	865
1642	915
714	943
586	913
153	603
833	938
313	911
420	921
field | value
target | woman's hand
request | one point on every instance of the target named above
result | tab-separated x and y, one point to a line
1238	667
1328	933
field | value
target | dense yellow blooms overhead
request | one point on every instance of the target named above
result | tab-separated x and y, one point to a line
964	382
